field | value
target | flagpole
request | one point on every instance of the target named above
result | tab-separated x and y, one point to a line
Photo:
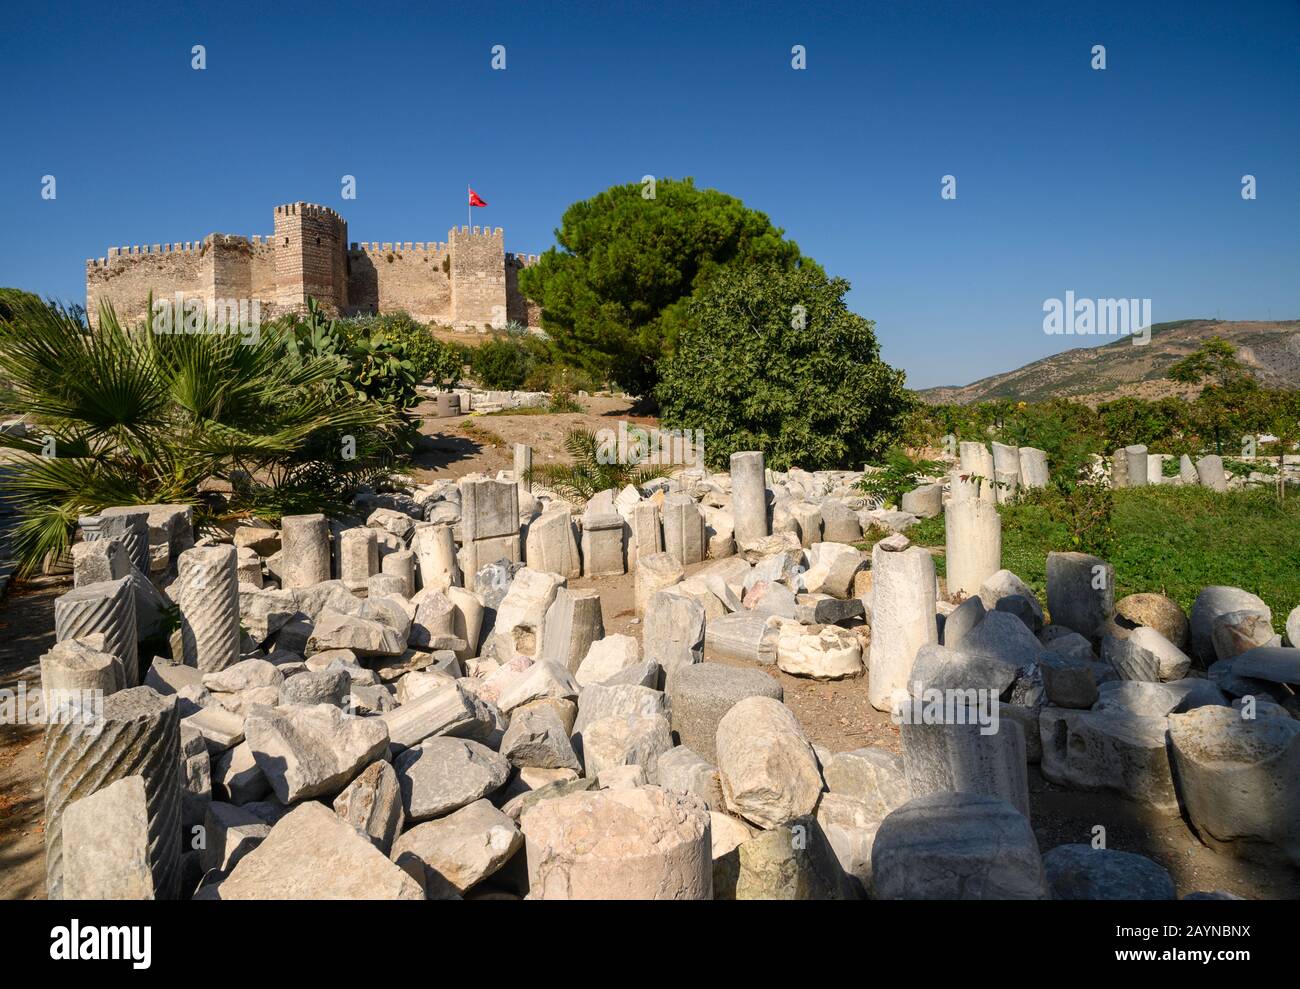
467	208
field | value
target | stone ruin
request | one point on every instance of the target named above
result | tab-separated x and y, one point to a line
421	698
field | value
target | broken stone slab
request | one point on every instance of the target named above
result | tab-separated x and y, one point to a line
520	625
1081	872
609	700
682	770
967	758
826	653
537	738
925	501
768	770
526	798
446	711
1239	779
456	852
957	846
552	545
1157	700
236	775
654	573
674	632
624	844
839	522
1080	592
539	681
229	833
702	694
312	751
1005	584
106	844
573	622
607	656
873	776
244	675
744	635
372	803
220	728
1210	473
443	774
850	827
944	669
958	623
602	544
1210	604
831	569
1276	664
633	740
794	861
822	609
489	522
324	687
287	864
76	675
1067	681
1108	750
1145	654
1238	631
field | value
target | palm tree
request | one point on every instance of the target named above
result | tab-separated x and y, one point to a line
588	475
127	416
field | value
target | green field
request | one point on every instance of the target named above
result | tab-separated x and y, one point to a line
1172	540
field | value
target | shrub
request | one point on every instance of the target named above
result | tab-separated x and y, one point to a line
501	363
772	359
897	475
588	474
141	418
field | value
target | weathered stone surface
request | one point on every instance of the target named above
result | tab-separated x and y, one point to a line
358	554
974	544
674	632
436	561
1108	750
1238	631
236	775
1276	664
443	774
1080	592
902	616
967	758
744	635
681	769
520	625
606	657
77	674
107	608
1005	584
749	496
702	694
456	852
573	622
1157	700
364	636
602	544
941	668
537	738
831	569
305	558
1209	605
1293	627
957	846
828	653
1154	611
925	502
630	844
654	573
230	833
794	861
313	854
1239	779
633	740
728	834
608	700
1068	682
958	624
1209	470
312	751
489	522
372	803
244	675
516	806
873	776
539	681
136	733
768	771
1081	872
324	687
1145	654
106	844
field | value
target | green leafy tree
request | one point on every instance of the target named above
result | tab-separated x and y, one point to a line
896	476
773	359
614	293
501	363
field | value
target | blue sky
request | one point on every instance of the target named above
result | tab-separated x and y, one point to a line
1117	183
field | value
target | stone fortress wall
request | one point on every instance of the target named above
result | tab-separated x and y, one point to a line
469	281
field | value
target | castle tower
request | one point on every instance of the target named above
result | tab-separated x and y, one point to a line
478	277
310	257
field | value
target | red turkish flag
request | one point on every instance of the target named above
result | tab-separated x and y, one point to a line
475	200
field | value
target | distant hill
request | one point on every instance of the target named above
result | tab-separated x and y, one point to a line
1119	368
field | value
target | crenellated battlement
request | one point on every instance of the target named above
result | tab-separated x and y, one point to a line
468	280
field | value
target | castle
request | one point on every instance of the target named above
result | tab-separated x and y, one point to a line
468	282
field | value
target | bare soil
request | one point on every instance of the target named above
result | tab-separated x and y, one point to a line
835	715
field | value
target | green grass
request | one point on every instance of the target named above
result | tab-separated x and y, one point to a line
1173	540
